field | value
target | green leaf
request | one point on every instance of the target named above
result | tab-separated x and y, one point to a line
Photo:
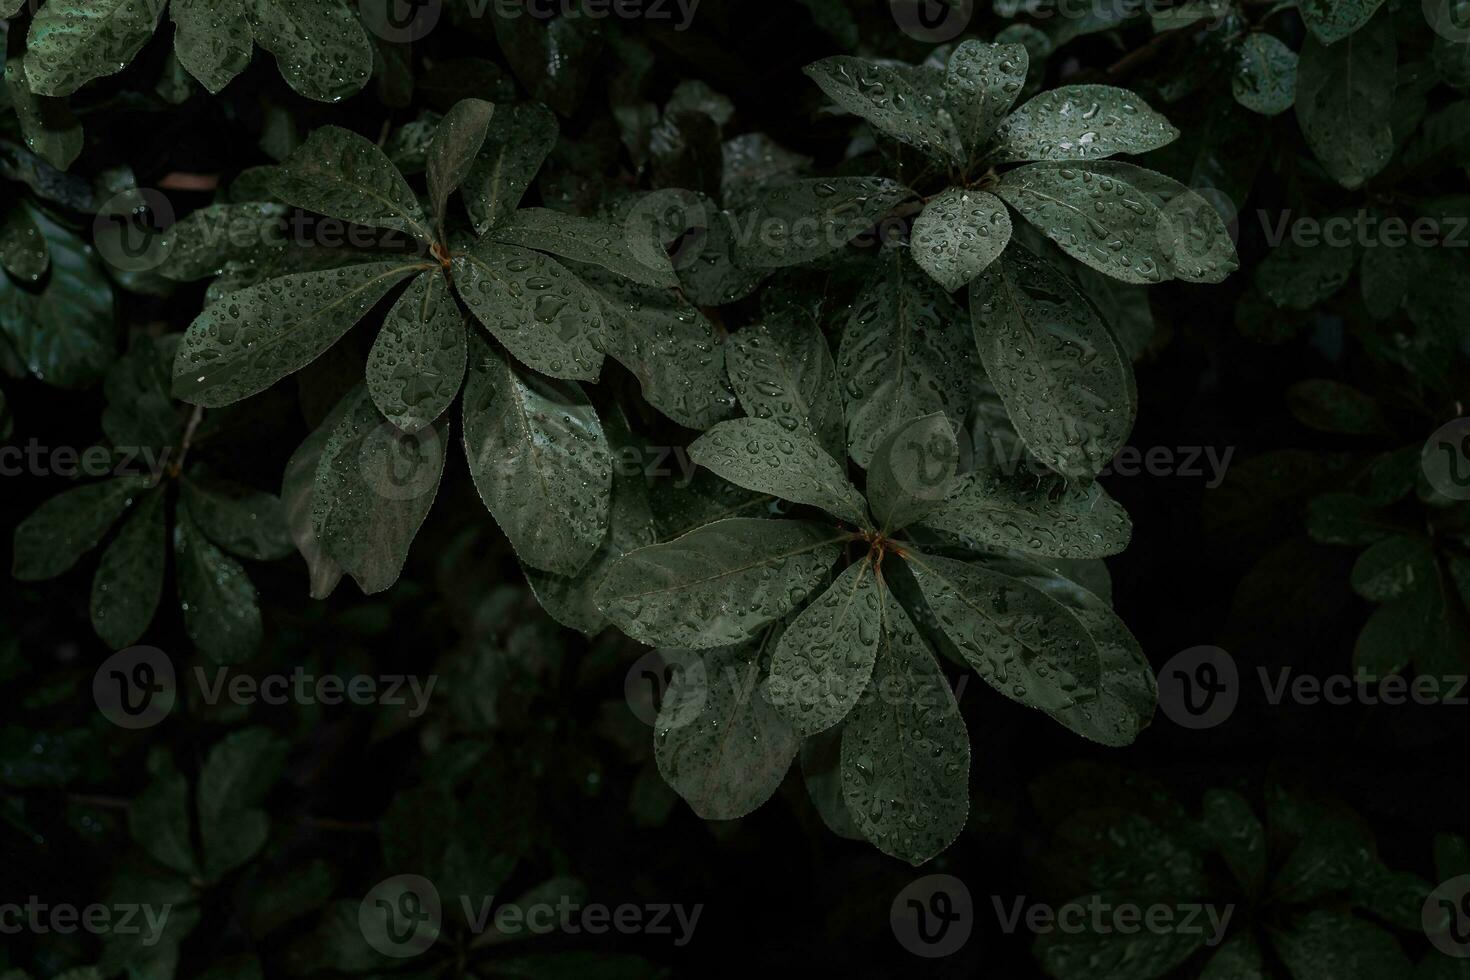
417	362
253	338
541	312
587	240
911	471
980	86
718	584
727	759
214	40
1331	406
902	101
238	518
1344	101
238	773
903	355
158	819
791	221
1333	945
298	488
958	234
782	369
1018	639
129	579
540	460
207	240
23	250
453	151
72	42
47	125
554	58
374	486
1332	20
1299	276
320	47
1081	122
677	509
1192	237
1236	832
905	751
1046	516
1065	381
1265	74
761	455
825	657
342	175
1099	219
1238	958
221	612
518	140
70	524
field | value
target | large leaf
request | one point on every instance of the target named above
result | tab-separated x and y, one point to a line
214	39
958	234
453	151
588	240
516	143
782	369
1332	20
47	125
1344	101
718	584
1101	220
253	338
221	614
1065	382
72	42
791	221
982	83
374	487
1081	122
825	656
911	471
902	101
902	356
129	579
320	46
1046	516
761	455
418	360
905	751
727	759
540	460
1019	640
342	175
70	524
541	312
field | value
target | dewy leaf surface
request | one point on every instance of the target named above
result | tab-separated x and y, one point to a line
1046	516
453	150
904	102
129	578
1081	122
1345	101
518	140
782	369
320	45
342	175
796	220
1265	74
221	613
586	240
70	524
418	360
982	83
718	584
213	39
958	234
911	471
905	751
1332	20
72	42
1193	241
761	455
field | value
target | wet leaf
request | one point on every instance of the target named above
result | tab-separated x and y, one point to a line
1081	122
761	455
981	84
792	221
907	103
911	471
588	240
453	151
242	520
517	142
221	611
1332	20
320	46
72	42
214	40
1038	515
1344	101
417	363
1265	75
129	578
342	175
46	124
782	369
70	524
958	234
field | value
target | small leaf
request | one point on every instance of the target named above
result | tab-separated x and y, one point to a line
72	42
541	312
70	524
825	656
782	369
518	140
214	40
221	612
1046	516
417	362
240	519
129	579
905	751
761	455
454	149
1081	122
252	338
586	240
539	459
1332	20
904	102
342	175
792	221
23	249
1265	74
729	758
980	86
1344	101
911	471
320	46
718	584
958	234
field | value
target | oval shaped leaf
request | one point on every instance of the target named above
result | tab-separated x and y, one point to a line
782	369
760	455
1045	516
911	471
320	46
1345	101
129	579
342	175
958	234
1082	122
418	359
72	42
